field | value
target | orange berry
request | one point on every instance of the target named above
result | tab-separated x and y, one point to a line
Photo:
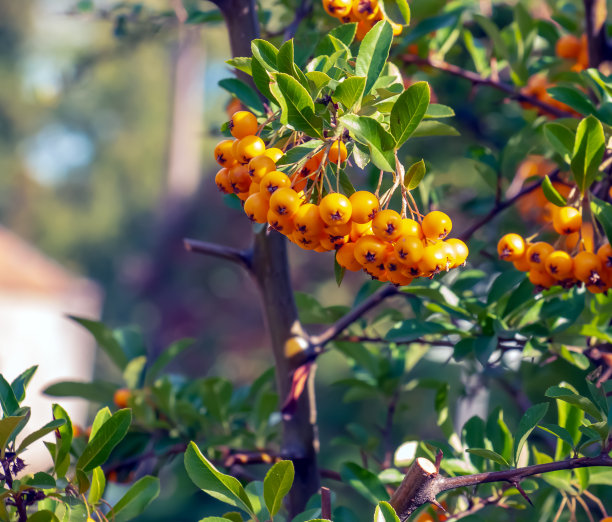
398	278
335	209
307	220
412	228
387	225
588	268
362	29
433	260
436	225
397	28
306	242
409	249
460	249
274	180
605	255
370	250
365	9
537	254
259	166
310	166
365	206
295	346
298	181
522	264
584	240
360	229
337	152
285	202
254	188
223	182
559	264
345	256
77	431
256	208
511	247
239	178
274	154
224	155
242	124
338	230
567	220
282	224
122	397
248	148
541	278
337	8
568	46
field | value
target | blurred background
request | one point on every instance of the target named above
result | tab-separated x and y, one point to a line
108	117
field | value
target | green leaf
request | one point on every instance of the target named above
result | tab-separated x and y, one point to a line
64	441
490	455
434	128
408	111
528	422
339	272
245	93
373	53
573	98
41	480
222	487
43	516
552	194
370	132
136	500
385	513
566	395
242	63
494	34
277	484
588	152
265	53
350	91
7	427
21	382
558	432
101	417
99	448
106	339
345	33
8	400
561	138
133	375
602	210
414	175
412	329
297	153
317	80
98	485
166	357
366	483
261	79
82	481
35	435
96	391
436	110
398	5
329	45
297	106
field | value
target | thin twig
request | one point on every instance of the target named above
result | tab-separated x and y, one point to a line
326	511
241	257
476	78
355	314
503	205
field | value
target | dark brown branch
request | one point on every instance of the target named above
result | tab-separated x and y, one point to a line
422	482
326	511
500	207
595	14
477	79
355	314
241	257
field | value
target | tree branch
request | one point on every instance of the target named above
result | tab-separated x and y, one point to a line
355	314
241	257
477	79
501	206
422	482
595	14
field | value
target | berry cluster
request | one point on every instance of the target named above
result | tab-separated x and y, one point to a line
361	229
574	49
365	12
572	263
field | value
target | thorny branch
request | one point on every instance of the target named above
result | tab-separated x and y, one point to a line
477	79
423	482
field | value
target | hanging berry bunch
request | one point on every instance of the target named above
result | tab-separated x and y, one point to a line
366	13
580	254
289	165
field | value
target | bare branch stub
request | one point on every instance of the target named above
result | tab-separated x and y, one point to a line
241	257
